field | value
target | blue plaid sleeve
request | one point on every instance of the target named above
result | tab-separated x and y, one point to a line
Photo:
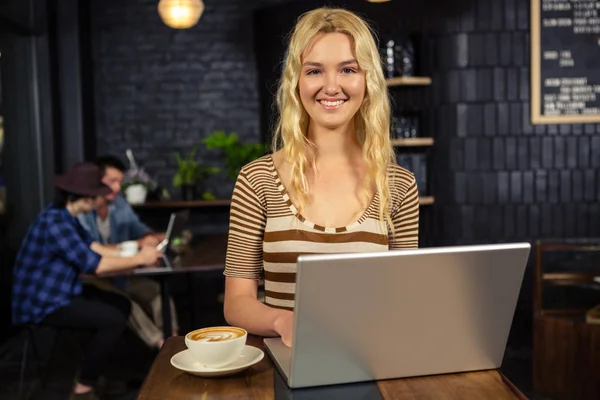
72	245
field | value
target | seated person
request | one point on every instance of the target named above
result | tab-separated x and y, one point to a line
47	289
111	222
334	186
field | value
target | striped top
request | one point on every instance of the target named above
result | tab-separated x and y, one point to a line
267	233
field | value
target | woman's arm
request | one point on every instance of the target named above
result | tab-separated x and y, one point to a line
243	309
244	265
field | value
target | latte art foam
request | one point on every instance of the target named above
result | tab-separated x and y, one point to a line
216	334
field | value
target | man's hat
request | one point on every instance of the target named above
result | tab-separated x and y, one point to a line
84	179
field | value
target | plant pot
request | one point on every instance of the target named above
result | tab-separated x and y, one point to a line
188	192
136	194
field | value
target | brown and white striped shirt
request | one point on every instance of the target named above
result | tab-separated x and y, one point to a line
267	234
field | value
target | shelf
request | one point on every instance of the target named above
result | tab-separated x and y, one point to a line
409	81
426	200
412	142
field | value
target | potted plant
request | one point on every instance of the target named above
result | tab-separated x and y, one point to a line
136	184
237	154
190	174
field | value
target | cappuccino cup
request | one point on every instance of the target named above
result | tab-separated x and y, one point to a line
128	249
217	346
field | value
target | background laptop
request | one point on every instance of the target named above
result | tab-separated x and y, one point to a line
177	222
385	315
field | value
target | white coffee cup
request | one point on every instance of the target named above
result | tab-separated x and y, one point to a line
216	346
128	249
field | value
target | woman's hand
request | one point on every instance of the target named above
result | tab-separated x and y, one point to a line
283	326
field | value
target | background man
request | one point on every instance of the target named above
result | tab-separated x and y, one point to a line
113	221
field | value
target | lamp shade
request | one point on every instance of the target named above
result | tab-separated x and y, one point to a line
180	14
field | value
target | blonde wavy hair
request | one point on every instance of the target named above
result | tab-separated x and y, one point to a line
372	121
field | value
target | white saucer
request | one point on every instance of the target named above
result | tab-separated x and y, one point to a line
184	361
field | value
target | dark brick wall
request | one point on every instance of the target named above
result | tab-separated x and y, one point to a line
159	90
498	177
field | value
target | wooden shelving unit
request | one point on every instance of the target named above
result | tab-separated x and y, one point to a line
426	200
412	142
409	81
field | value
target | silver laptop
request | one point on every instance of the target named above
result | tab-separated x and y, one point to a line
176	224
372	316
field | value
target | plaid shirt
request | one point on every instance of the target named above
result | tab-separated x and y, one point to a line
54	252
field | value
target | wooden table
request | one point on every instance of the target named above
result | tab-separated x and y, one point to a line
206	254
262	381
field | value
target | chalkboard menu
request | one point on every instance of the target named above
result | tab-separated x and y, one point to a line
565	61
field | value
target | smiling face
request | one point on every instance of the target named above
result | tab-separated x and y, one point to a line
113	178
331	85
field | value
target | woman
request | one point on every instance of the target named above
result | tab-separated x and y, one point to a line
47	289
334	185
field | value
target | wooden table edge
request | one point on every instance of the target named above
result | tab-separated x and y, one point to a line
511	386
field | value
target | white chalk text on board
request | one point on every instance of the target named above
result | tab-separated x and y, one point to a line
565	61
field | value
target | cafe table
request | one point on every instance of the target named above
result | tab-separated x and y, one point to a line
262	381
205	254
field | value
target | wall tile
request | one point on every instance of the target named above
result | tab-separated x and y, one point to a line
489	119
522	15
497	15
526	117
535	150
476	55
534	221
523	153
510	14
515	118
503	118
509	218
565	186
471	155
577	185
584	151
529	186
571	152
505	49
460	187
510	145
512	84
485	85
462	119
521	221
491	49
475	120
590	185
547	152
560	146
499	153
484	154
503	187
553	186
490	188
516	187
595	150
524	89
541	187
499	77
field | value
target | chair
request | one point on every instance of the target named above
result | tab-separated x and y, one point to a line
566	346
29	339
